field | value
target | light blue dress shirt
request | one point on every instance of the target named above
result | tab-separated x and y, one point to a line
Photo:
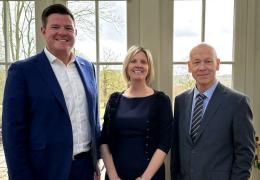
208	95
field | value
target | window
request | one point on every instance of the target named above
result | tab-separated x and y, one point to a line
17	35
101	27
197	21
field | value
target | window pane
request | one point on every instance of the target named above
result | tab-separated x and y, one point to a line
182	79
186	27
219	27
84	13
2	44
110	80
112	19
2	84
224	75
3	168
21	33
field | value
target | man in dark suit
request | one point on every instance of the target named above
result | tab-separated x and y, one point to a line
213	131
50	113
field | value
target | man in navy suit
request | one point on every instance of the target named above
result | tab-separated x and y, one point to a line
50	113
213	131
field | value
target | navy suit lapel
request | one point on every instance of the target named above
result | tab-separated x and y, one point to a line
188	104
48	75
85	75
213	105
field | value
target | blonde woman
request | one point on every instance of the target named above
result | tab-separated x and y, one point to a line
136	134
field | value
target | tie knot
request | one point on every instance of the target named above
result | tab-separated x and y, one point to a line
201	96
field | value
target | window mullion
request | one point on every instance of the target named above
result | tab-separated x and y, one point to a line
203	20
97	40
5	29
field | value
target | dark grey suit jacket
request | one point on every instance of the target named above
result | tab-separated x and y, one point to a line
224	149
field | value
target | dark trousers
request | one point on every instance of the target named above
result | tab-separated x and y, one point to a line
82	169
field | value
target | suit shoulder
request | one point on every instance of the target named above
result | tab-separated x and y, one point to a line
24	63
234	93
183	94
84	61
234	96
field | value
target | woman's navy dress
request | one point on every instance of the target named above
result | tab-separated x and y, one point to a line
130	126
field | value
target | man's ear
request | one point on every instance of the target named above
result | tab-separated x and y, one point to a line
189	66
218	63
43	30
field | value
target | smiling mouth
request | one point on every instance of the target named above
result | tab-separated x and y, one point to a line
138	72
202	75
62	40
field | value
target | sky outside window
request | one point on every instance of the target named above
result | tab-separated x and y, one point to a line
219	27
186	27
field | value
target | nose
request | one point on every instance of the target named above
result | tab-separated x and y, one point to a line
202	65
62	30
138	64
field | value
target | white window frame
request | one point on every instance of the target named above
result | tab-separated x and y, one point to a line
203	26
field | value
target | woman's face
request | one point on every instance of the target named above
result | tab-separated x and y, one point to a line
138	67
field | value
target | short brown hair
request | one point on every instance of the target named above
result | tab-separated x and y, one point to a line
55	9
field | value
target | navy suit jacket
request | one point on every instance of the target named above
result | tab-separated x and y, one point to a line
224	149
37	132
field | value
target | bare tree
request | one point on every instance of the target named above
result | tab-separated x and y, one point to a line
84	13
28	43
2	44
20	16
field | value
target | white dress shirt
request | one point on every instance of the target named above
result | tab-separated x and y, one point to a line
76	101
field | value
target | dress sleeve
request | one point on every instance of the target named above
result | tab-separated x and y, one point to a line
166	121
109	111
105	129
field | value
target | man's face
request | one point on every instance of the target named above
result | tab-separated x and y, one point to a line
203	65
59	34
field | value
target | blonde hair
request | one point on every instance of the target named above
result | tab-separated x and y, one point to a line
132	51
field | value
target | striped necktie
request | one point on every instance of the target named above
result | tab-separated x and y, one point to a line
197	116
